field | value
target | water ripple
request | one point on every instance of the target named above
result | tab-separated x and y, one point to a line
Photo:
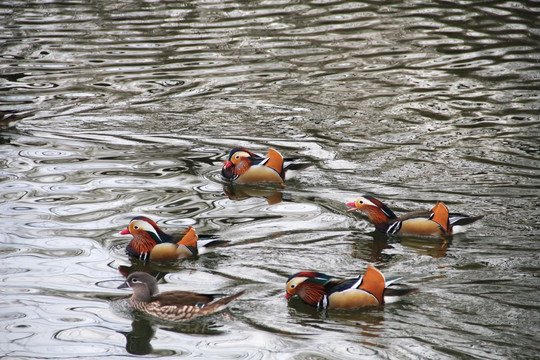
134	107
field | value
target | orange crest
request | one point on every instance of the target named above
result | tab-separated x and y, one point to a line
190	238
275	160
374	283
440	215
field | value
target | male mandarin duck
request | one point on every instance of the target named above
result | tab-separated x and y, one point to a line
437	221
151	243
328	292
171	305
245	167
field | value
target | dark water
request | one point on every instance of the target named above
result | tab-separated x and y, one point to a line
124	108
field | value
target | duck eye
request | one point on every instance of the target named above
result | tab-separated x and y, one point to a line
292	286
237	157
360	202
136	227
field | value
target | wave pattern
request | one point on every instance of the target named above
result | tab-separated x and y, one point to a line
117	109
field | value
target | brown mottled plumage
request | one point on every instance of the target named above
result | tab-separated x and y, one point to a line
171	305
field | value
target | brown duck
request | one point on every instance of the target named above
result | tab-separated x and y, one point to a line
171	305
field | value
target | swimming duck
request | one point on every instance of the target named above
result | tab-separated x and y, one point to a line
328	292
151	243
245	167
437	221
171	305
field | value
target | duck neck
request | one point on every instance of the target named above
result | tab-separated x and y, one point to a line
311	292
378	218
141	245
144	294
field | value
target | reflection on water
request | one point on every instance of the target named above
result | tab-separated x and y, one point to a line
138	339
115	109
272	194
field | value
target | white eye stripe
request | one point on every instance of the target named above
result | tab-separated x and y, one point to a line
143	225
365	202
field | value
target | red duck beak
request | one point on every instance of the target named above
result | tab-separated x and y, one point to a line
353	206
228	164
124	232
287	296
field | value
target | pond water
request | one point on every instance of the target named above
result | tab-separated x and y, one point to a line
113	109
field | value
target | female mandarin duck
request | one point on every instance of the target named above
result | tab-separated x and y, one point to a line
437	221
151	243
327	292
245	167
171	305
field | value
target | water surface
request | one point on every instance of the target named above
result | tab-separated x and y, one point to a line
125	108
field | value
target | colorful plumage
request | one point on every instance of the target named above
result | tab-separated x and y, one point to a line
437	221
245	167
328	292
151	243
171	305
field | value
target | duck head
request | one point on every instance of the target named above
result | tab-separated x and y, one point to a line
146	234
308	285
144	286
239	162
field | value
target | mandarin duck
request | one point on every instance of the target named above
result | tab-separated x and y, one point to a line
171	305
437	221
328	292
151	243
245	167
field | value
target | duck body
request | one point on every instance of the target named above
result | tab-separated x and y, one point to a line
246	167
149	242
328	292
171	305
435	222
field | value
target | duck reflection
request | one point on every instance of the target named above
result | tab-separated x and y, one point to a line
436	248
138	340
272	193
373	251
367	319
155	269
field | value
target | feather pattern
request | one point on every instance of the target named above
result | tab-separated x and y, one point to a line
437	221
328	292
149	242
244	166
171	305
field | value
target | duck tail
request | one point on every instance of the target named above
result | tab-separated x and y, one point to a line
297	166
393	294
457	219
223	302
209	243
